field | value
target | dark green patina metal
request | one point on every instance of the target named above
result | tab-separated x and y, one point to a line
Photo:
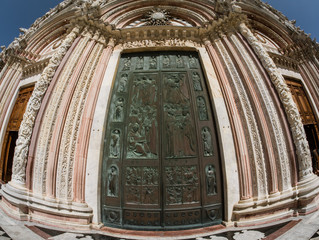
161	166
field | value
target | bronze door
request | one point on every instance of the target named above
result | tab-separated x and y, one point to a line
161	165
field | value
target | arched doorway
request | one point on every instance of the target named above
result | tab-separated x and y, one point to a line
161	165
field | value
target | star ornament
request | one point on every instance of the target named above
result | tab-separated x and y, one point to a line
157	17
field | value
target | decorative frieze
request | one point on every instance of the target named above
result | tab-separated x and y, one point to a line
35	68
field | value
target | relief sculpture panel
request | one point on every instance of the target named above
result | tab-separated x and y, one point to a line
142	120
180	135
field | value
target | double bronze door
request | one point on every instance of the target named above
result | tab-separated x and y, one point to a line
161	166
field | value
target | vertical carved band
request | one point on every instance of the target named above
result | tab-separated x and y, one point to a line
298	132
25	131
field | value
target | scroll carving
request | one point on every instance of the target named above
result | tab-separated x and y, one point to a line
296	126
25	132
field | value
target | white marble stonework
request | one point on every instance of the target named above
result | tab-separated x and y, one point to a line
95	152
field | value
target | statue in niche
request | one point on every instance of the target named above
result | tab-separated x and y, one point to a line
127	64
140	63
115	144
153	62
179	61
192	62
118	113
196	82
112	188
166	62
123	83
211	180
201	105
207	142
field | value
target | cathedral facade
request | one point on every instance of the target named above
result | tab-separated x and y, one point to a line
159	115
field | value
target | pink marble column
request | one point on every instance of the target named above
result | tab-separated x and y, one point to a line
86	124
239	135
35	133
60	121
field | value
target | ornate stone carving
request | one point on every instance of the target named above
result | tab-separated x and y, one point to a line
298	132
159	43
282	159
25	132
157	17
253	136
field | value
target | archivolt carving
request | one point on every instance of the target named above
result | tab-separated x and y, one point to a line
25	132
45	136
282	157
247	115
298	132
71	128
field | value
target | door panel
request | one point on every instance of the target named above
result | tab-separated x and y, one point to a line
161	165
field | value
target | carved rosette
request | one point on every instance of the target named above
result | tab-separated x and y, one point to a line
298	132
25	132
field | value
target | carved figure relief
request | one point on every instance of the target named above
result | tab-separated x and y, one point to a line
142	133
115	144
202	110
211	185
196	81
118	111
166	62
112	186
207	142
123	83
179	61
192	62
153	62
127	64
142	185
182	185
140	63
177	115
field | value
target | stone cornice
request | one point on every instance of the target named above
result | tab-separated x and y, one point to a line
284	61
35	68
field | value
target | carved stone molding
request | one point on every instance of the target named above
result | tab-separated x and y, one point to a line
35	68
284	61
25	132
298	132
